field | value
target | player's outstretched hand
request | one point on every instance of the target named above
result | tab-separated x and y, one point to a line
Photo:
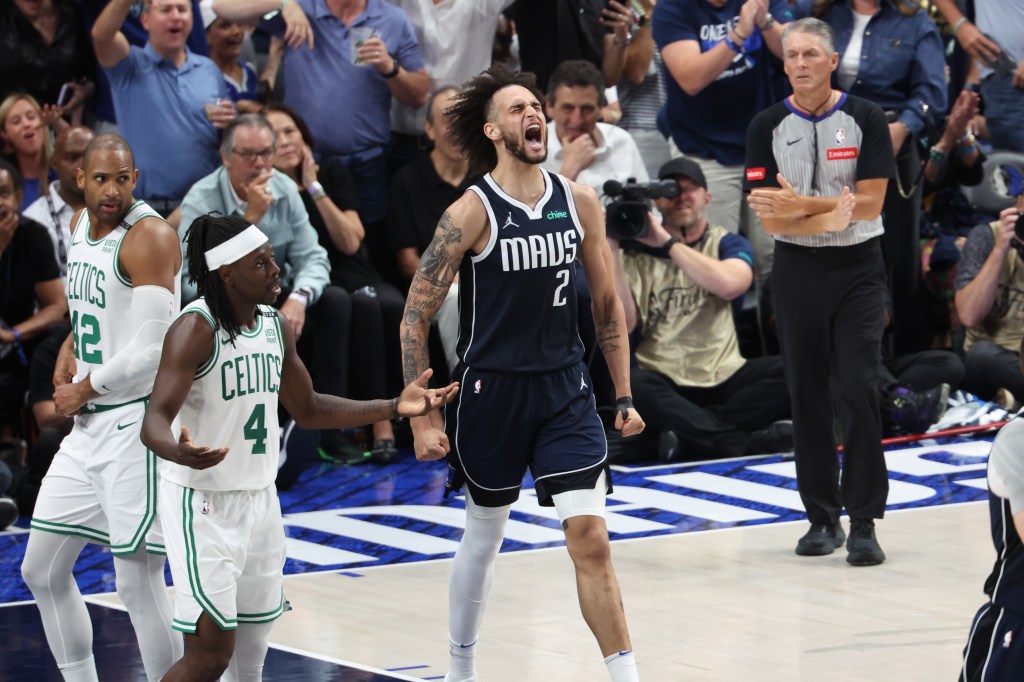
417	400
197	456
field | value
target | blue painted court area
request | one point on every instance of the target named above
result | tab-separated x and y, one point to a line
347	518
26	657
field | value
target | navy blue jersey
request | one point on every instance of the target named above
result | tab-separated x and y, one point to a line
1005	585
517	298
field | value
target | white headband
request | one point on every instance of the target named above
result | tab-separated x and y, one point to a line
241	244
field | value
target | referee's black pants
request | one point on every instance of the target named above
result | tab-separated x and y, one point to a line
829	309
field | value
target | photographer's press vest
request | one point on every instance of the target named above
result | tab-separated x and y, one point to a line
1004	324
686	333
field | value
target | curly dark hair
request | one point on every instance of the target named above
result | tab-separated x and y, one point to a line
474	106
206	232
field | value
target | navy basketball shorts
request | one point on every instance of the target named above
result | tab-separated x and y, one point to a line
995	647
501	424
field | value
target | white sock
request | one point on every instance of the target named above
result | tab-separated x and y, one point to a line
622	667
462	665
80	671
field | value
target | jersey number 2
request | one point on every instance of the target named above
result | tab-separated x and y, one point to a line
255	429
559	296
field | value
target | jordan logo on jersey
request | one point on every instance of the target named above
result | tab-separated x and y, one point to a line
509	221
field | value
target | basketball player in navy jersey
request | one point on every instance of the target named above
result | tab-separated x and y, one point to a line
516	239
995	646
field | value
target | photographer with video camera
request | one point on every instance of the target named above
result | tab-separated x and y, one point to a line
990	298
677	280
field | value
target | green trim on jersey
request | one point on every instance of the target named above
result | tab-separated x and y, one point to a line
192	563
280	335
255	330
122	277
97	536
184	626
266	617
93	409
209	363
147	521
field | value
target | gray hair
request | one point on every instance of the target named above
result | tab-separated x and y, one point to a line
441	92
227	143
815	27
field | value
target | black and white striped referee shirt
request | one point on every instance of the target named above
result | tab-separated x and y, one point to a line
819	155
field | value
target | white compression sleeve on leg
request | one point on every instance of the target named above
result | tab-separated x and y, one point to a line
140	585
587	502
470	584
153	310
251	643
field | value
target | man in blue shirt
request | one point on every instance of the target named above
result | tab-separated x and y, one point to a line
716	53
351	119
161	93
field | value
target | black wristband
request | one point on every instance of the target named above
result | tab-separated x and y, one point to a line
394	69
666	248
394	411
623	405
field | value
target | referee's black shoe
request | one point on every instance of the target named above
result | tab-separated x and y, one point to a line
821	539
863	547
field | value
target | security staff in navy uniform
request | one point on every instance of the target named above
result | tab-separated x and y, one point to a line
517	238
804	156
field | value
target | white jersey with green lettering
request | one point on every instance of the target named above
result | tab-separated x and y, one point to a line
233	404
100	300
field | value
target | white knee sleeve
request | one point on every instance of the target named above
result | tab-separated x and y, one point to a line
251	643
590	502
140	585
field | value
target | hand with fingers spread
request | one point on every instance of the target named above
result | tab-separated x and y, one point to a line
417	400
197	456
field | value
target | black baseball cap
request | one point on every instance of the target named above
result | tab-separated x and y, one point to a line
683	166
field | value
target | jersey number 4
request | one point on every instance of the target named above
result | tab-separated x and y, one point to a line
86	333
255	429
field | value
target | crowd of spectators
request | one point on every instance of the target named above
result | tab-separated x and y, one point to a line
323	121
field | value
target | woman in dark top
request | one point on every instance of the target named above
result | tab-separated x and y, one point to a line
31	296
330	198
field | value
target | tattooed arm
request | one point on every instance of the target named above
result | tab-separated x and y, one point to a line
609	318
462	228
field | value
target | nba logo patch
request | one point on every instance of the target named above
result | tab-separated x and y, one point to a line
478	386
840	136
206	507
1008	639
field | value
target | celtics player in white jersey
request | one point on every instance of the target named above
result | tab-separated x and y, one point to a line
226	360
123	290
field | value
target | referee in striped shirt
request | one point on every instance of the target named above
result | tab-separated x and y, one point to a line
817	165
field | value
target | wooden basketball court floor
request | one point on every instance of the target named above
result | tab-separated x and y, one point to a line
719	598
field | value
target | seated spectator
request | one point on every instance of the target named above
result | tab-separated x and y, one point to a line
580	147
246	184
55	209
27	144
990	302
225	39
163	96
420	194
330	200
31	298
44	52
677	284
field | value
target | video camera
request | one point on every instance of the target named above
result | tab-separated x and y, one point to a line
626	217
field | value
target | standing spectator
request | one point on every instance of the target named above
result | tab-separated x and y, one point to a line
44	48
640	82
367	51
990	302
55	209
225	39
31	297
27	143
677	284
456	40
803	156
330	201
892	54
553	31
246	184
163	87
997	44
717	54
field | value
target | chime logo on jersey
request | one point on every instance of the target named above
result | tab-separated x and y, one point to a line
840	137
538	251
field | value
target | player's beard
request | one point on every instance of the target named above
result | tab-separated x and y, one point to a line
513	147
